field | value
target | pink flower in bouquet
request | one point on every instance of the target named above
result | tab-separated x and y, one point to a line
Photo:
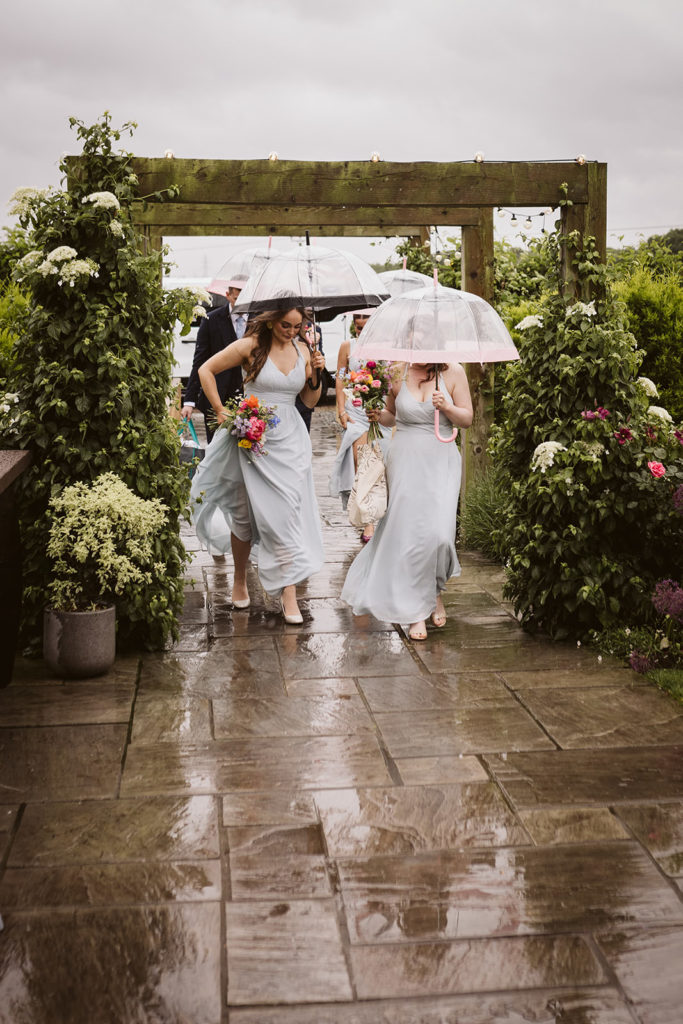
364	388
255	429
377	383
656	468
370	364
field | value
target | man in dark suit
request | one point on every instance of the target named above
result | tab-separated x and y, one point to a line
220	328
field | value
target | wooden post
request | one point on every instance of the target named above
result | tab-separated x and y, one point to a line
589	220
477	277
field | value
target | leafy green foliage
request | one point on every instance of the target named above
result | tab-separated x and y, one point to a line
93	371
481	514
654	313
588	528
13	313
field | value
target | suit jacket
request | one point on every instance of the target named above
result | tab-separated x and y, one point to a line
214	334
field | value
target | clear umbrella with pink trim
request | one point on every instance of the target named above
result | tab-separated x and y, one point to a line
435	324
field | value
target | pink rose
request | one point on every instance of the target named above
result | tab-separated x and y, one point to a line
377	383
364	388
356	401
656	468
370	365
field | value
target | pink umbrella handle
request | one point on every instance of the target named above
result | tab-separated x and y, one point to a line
437	432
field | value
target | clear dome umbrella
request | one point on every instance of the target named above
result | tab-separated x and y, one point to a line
436	325
240	266
399	281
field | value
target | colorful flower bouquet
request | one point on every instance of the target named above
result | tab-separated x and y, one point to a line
248	421
369	385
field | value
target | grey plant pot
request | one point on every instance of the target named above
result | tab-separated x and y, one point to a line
79	644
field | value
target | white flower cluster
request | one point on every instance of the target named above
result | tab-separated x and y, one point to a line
132	179
61	253
27	263
529	321
593	449
585	308
102	201
661	414
116	228
648	386
544	455
72	271
7	402
198	312
199	295
24	198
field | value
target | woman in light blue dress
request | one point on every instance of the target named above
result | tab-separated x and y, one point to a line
355	425
399	576
265	507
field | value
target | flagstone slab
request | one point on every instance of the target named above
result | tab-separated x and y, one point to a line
161	717
61	762
288	877
659	827
344	686
607	716
317	762
521	652
123	884
103	702
416	771
647	963
135	965
275	840
549	1006
227	670
34	672
403	820
598	674
271	807
341	654
556	825
478	965
465	730
607	776
402	693
99	831
287	952
290	716
449	894
190	638
487	631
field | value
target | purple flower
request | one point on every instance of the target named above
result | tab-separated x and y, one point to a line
652	434
678	434
602	413
588	414
639	662
623	434
668	599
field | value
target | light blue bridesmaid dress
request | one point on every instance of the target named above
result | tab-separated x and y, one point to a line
411	556
270	500
343	470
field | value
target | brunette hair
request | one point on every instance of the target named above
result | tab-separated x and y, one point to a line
258	327
432	369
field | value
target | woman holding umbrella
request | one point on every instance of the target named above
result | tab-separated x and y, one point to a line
266	506
400	576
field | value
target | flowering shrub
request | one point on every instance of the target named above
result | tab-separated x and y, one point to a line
92	371
101	544
591	518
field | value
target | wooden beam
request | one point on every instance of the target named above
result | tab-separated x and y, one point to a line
361	183
248	214
477	277
590	220
287	230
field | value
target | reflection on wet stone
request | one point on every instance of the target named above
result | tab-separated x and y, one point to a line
571	825
133	965
268	808
648	966
465	730
290	716
659	827
435	691
341	654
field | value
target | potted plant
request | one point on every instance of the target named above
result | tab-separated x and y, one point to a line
101	545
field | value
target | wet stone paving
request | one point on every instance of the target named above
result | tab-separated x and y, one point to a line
330	824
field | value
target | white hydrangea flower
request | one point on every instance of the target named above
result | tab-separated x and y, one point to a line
662	414
648	386
529	321
198	294
585	308
198	311
75	269
28	263
46	268
544	455
103	201
61	253
116	228
22	200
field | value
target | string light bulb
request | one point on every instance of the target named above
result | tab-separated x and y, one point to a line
501	211
514	219
272	156
375	157
479	157
527	222
581	159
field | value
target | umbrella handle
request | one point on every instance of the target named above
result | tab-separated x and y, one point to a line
437	433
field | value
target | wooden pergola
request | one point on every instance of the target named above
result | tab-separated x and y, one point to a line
288	197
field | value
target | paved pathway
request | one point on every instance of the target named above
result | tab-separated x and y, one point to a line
329	824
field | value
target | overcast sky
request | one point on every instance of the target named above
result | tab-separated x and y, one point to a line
315	79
